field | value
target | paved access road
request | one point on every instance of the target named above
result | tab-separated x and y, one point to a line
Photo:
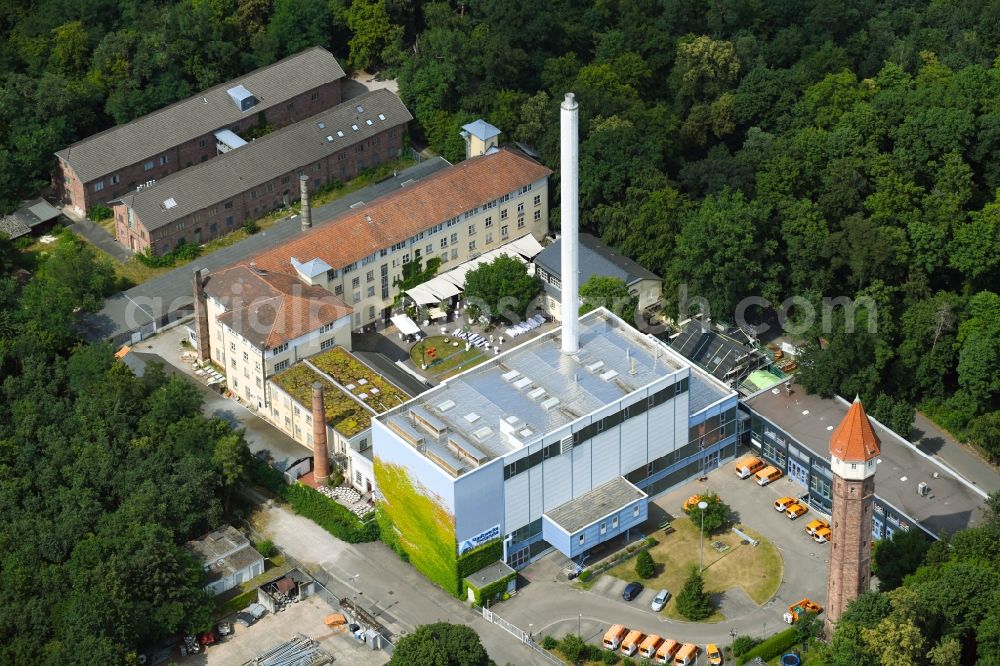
391	590
934	441
101	238
554	606
170	295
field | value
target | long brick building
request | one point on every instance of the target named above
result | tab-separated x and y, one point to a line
109	164
251	180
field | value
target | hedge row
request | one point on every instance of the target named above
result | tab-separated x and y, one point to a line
477	558
328	514
773	647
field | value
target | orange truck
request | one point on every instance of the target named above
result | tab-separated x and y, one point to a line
748	465
801	608
631	643
665	653
687	655
647	649
613	637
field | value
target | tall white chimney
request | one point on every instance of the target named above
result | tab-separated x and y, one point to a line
570	213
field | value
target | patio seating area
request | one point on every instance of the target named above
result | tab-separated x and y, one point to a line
349	497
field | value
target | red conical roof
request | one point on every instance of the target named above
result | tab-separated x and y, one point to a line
854	439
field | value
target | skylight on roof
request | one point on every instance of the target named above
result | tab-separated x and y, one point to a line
360	109
329	138
354	127
381	116
369	121
170	203
340	134
321	125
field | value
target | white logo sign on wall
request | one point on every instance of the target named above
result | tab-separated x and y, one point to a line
478	540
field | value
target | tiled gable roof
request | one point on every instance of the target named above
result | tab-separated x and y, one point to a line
271	309
152	134
396	217
855	439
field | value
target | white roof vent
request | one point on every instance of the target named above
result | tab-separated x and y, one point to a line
446	405
510	375
595	366
483	433
170	203
242	97
609	375
550	404
522	383
471	417
536	393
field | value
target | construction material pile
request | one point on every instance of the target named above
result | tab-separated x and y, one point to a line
299	651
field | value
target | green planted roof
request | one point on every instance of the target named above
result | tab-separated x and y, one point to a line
343	412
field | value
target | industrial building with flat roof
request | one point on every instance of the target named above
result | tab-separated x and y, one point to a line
791	429
249	180
107	165
508	448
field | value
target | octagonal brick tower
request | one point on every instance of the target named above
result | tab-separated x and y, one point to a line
854	447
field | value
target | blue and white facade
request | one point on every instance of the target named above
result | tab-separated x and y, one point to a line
504	445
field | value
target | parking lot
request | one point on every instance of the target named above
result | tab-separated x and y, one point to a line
552	605
306	618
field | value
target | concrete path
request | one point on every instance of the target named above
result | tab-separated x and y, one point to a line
169	295
933	441
101	238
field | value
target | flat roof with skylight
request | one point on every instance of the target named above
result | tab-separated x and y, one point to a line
503	405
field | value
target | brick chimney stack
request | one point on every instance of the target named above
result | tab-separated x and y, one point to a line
201	318
321	455
307	221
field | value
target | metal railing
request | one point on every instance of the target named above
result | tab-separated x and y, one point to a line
523	636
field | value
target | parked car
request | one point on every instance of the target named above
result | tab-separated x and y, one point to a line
767	475
632	590
816	525
795	510
783	503
660	600
713	654
822	535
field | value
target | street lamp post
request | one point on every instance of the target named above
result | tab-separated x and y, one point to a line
702	505
354	594
579	624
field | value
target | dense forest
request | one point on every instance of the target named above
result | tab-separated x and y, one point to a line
103	477
789	149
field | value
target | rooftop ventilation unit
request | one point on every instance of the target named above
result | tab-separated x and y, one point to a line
406	431
550	404
510	375
242	97
483	433
471	417
522	383
609	375
595	366
428	421
446	405
465	450
536	393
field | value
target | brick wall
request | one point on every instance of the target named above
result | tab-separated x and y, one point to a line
255	202
82	196
850	545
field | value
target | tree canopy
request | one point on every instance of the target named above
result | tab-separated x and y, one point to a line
500	289
103	478
611	293
441	644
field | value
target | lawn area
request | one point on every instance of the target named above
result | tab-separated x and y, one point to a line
755	569
450	360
